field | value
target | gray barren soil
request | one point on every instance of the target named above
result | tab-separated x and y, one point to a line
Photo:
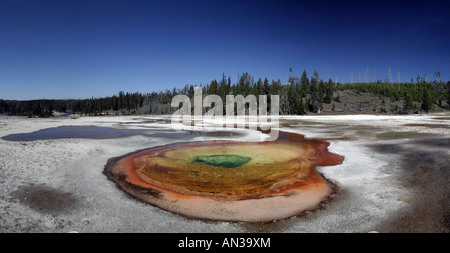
395	176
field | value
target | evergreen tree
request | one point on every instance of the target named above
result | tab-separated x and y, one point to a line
213	88
314	102
266	87
275	87
304	81
321	91
328	92
222	87
292	98
301	107
426	101
408	104
228	90
448	95
259	88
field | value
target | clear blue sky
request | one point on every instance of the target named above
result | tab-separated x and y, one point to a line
81	49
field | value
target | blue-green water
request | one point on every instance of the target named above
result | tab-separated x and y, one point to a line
227	161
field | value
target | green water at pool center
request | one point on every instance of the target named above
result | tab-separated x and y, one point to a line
227	161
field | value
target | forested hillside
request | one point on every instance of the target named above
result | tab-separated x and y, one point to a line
300	95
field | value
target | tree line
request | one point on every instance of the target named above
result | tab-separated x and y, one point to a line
300	95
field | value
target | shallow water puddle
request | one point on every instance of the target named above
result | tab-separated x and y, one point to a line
45	199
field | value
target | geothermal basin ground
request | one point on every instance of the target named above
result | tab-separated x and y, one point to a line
394	177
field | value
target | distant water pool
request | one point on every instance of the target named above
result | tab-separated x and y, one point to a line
65	132
95	132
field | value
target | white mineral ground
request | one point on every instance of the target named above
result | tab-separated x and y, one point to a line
394	178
